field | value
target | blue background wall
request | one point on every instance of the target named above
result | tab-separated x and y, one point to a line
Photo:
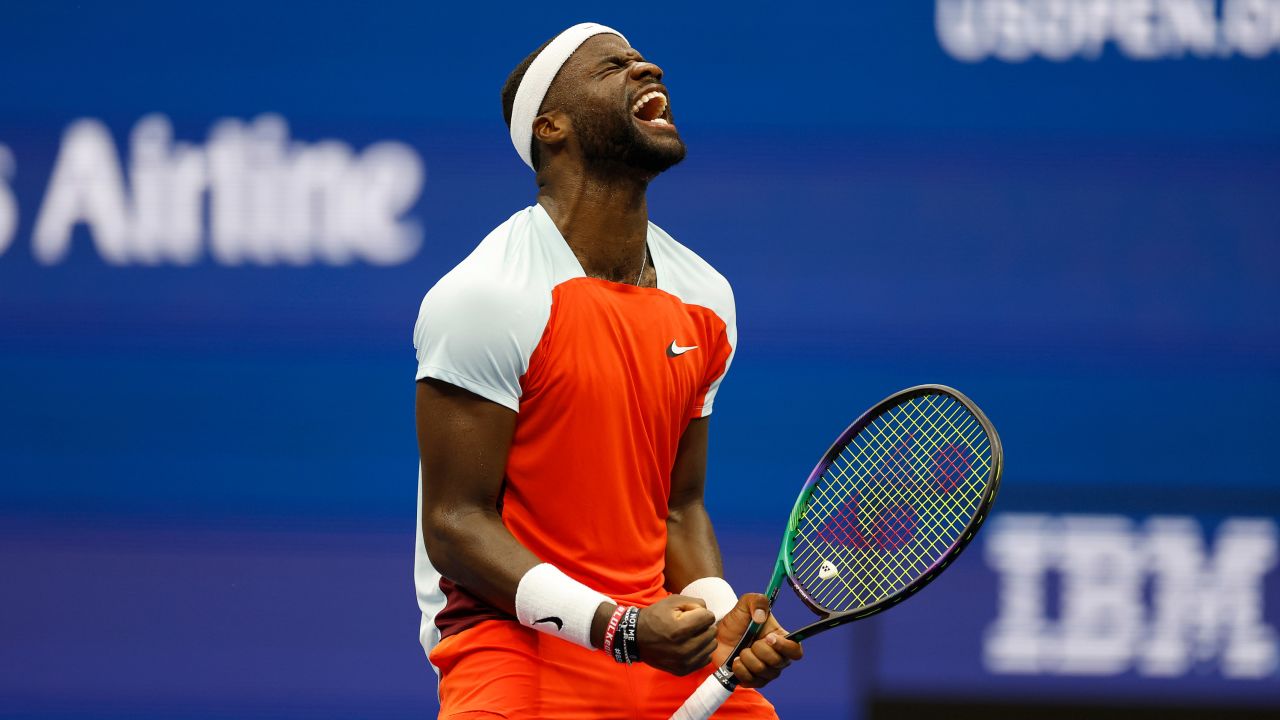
208	473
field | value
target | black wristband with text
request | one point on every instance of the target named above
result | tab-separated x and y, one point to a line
625	649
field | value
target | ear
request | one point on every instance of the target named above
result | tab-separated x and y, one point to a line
552	128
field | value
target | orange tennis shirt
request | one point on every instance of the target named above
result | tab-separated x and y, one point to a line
605	378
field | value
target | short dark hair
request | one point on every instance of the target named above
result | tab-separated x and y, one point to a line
510	87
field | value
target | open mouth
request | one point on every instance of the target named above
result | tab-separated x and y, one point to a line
651	107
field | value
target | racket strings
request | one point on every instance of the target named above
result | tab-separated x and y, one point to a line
899	482
891	503
893	500
884	536
844	470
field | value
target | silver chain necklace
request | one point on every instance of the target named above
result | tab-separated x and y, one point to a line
643	262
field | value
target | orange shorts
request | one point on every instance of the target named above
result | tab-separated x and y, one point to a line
501	669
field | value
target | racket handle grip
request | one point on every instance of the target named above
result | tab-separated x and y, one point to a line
704	701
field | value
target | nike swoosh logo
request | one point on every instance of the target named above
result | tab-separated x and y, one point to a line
675	349
553	619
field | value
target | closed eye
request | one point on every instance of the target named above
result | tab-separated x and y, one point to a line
612	64
622	61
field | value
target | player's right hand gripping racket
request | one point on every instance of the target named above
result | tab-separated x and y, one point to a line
896	498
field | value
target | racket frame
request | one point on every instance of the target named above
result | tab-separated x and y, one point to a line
783	567
829	619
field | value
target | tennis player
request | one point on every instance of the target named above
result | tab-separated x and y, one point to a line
566	566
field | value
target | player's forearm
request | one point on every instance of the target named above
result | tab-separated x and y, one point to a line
692	550
475	550
601	622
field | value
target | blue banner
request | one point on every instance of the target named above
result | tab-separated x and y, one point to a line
217	222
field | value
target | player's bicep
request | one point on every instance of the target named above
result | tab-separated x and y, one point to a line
463	440
689	472
692	551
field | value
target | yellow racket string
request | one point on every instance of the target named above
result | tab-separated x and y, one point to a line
883	442
894	498
891	503
876	440
868	551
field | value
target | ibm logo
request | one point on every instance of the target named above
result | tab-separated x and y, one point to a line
1103	595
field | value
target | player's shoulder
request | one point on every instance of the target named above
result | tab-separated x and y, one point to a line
688	276
508	268
503	285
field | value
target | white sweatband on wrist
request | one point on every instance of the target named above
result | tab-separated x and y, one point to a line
537	80
554	603
715	592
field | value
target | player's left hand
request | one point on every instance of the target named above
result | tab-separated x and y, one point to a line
759	664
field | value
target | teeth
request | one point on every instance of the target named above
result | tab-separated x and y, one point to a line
658	121
646	98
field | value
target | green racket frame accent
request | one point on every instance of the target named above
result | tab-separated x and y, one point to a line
781	569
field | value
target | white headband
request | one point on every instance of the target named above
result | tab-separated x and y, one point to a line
536	80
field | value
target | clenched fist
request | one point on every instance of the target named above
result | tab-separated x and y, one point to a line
676	634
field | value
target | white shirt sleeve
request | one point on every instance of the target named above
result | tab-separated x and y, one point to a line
478	333
727	311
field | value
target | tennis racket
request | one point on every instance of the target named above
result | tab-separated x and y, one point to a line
898	496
